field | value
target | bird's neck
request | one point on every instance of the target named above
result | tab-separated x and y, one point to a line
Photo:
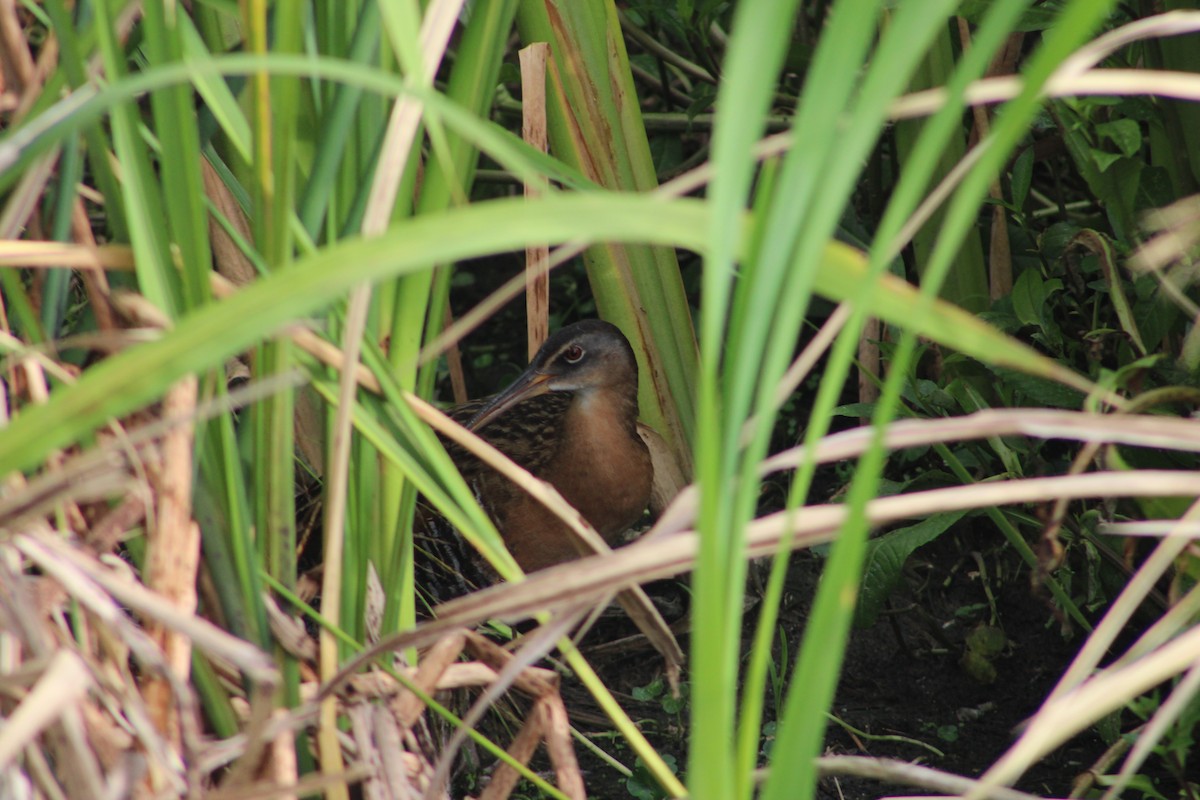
618	406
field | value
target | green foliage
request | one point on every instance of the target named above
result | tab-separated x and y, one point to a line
642	785
270	125
885	559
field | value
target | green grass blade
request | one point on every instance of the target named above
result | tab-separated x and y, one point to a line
833	609
756	47
140	193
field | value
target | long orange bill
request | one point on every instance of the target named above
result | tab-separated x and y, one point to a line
530	384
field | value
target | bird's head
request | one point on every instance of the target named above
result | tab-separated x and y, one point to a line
585	357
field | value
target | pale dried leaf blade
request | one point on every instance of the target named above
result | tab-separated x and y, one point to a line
361	729
398	773
668	476
282	768
289	631
84	577
64	683
556	730
533	129
376	601
581	582
173	551
309	415
408	706
230	261
513	669
504	779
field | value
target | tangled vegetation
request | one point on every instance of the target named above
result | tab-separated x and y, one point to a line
912	289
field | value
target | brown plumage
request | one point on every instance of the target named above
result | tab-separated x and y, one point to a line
570	419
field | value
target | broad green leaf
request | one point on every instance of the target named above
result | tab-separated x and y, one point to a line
1022	177
885	560
1124	133
1028	296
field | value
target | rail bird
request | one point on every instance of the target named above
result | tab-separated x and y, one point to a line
569	419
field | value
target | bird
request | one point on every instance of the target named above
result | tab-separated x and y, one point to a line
569	419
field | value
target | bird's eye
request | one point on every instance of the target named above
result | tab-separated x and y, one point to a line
573	354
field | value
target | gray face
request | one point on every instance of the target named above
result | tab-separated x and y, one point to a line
586	356
581	358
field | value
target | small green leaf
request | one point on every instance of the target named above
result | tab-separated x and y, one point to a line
1039	390
1124	133
1056	239
509	73
1022	177
702	100
978	667
642	784
1098	244
1104	159
862	410
948	733
885	559
674	705
986	640
1028	295
649	691
1109	727
1141	784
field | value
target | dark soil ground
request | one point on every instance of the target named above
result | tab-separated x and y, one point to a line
904	677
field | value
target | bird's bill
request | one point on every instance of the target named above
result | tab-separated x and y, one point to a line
530	384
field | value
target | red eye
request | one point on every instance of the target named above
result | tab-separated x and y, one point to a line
573	354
